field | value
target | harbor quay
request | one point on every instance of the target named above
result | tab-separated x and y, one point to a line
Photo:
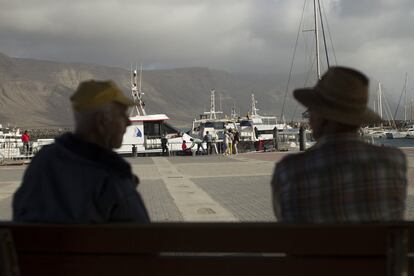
211	188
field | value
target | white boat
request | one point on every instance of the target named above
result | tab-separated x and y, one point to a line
146	130
255	127
288	139
375	132
396	134
410	133
211	122
10	143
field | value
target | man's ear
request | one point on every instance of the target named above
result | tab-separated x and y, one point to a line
101	121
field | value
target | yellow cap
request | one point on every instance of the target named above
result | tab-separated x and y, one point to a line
91	94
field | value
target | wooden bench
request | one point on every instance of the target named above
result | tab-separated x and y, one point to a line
210	249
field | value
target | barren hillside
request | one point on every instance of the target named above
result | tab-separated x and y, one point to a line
36	93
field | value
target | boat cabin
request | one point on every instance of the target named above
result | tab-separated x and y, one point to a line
145	134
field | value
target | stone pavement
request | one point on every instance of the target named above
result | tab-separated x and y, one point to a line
199	188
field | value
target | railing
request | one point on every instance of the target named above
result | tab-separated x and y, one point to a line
11	151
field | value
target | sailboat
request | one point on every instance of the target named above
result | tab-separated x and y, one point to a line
290	138
379	131
406	131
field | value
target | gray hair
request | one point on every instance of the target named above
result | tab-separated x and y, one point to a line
85	120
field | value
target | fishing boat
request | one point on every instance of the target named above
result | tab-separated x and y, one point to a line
255	127
212	122
144	134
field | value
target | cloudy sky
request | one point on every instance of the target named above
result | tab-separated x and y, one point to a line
376	36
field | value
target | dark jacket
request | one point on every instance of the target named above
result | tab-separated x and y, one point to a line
73	181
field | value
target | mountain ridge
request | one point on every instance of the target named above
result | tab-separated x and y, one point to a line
35	93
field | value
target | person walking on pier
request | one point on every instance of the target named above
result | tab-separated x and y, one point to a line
341	178
79	178
164	145
199	144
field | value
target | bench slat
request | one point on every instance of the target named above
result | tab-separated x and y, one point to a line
204	237
135	265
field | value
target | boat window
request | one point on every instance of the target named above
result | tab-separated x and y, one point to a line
269	121
245	123
215	125
267	131
152	128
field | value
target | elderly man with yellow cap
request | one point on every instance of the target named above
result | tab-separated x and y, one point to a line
79	178
341	178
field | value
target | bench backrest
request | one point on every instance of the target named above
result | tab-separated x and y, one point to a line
213	248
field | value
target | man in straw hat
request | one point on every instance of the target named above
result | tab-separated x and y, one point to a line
341	178
79	178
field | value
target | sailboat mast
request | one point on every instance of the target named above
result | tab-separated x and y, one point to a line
379	99
405	96
315	13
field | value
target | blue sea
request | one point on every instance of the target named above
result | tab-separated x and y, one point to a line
395	142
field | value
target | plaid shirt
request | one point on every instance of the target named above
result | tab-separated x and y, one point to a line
341	179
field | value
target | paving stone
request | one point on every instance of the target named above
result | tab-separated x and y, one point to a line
158	201
139	160
202	159
248	198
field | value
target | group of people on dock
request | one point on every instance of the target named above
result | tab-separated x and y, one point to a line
80	179
231	138
230	141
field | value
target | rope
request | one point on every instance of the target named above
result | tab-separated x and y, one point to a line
329	33
323	34
292	62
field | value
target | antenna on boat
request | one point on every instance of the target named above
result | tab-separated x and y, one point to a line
221	108
254	109
233	111
212	104
136	91
213	111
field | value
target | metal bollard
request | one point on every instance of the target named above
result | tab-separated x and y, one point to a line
134	151
302	139
275	139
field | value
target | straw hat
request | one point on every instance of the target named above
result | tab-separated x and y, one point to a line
341	95
91	94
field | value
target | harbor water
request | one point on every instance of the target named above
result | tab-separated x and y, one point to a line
399	143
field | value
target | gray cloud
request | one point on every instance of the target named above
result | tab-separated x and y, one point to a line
247	35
